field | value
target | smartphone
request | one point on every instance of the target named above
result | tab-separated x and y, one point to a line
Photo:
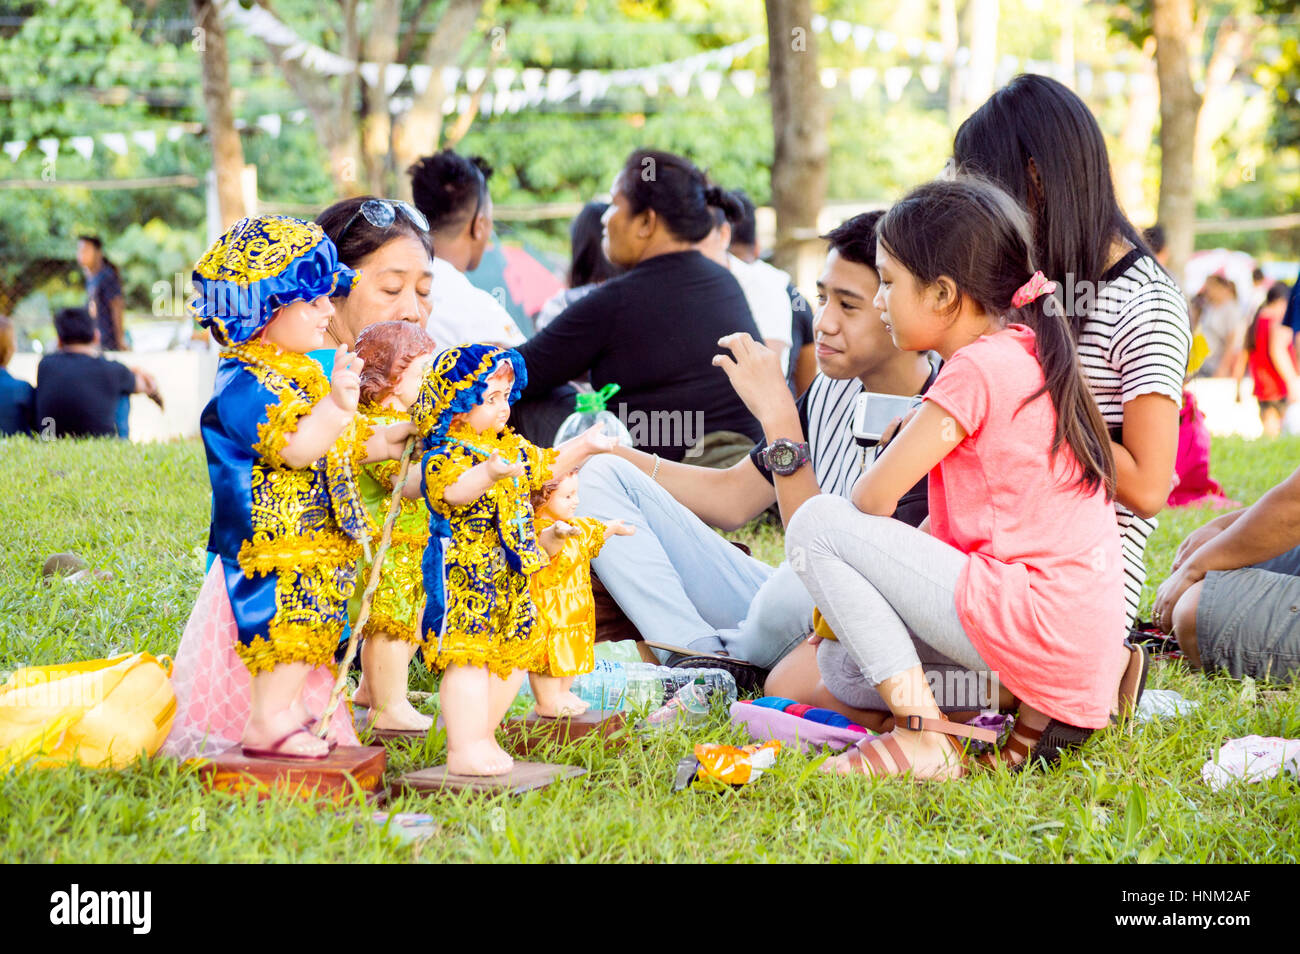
874	412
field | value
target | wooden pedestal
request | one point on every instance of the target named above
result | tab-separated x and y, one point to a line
334	778
525	735
387	737
524	777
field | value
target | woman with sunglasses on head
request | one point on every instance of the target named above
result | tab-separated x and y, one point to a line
388	243
1038	141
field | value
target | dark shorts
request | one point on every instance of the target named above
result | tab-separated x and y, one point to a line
1277	406
1248	621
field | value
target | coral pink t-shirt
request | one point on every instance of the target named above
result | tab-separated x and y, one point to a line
1042	593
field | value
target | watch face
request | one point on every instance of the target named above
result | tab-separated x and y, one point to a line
782	456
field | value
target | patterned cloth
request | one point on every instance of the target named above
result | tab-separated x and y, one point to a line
212	684
476	565
399	596
261	264
478	610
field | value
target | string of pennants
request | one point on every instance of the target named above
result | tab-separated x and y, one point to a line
706	71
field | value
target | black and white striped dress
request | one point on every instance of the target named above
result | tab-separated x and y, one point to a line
1134	342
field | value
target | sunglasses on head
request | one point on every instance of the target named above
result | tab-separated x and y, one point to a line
382	213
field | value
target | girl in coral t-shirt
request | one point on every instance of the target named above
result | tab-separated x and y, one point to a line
1019	575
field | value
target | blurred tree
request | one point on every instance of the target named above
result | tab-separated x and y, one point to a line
799	163
227	152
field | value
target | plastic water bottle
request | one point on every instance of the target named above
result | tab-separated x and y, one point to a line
589	409
614	685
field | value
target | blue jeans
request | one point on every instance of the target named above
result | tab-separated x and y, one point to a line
681	583
122	417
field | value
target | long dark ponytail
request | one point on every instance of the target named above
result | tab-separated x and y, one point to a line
977	235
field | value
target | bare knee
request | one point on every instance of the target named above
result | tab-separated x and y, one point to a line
795	676
1184	624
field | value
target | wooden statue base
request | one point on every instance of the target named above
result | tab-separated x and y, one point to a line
387	737
524	735
524	777
336	778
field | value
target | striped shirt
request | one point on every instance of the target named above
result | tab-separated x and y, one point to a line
1134	342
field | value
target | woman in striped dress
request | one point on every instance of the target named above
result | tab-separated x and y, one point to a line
1038	140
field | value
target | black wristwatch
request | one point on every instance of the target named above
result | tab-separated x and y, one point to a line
783	456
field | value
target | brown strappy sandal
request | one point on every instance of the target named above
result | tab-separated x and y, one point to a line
1028	744
865	760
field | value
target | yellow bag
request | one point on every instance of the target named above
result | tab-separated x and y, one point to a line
821	627
102	713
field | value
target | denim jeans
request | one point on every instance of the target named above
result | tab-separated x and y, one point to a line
681	583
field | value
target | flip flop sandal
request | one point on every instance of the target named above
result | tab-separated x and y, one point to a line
1133	683
275	750
864	759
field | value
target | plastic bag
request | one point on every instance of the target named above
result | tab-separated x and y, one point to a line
102	713
717	766
588	410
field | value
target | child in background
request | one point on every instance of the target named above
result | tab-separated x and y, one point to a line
1018	572
477	477
561	590
1272	360
396	354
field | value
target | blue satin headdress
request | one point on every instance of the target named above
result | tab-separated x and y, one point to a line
454	383
261	264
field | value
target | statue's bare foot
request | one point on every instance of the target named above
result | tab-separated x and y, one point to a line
362	696
400	715
481	757
563	706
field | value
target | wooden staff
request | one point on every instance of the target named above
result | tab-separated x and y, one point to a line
376	567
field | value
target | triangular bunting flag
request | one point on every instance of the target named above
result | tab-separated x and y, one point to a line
896	78
146	139
84	146
116	142
710	84
745	81
420	76
270	123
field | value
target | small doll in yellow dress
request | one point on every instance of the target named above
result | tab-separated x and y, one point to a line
396	354
477	477
561	591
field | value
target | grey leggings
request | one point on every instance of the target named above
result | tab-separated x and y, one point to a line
884	587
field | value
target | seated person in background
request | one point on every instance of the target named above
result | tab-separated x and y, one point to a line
765	294
802	363
588	267
16	397
1233	589
451	192
654	330
77	388
681	583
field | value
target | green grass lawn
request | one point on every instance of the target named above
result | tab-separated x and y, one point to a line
142	512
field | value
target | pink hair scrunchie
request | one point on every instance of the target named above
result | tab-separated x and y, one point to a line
1035	287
